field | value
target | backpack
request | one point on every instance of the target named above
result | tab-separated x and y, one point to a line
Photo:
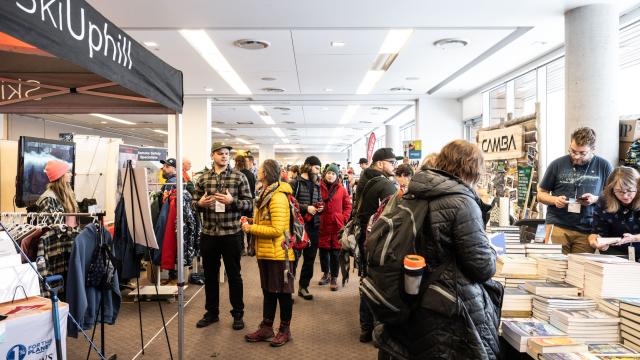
297	235
392	237
350	233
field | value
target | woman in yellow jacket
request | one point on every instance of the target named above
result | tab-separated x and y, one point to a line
271	219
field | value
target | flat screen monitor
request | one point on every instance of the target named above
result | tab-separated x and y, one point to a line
33	154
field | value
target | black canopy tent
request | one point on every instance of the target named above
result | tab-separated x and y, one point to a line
62	56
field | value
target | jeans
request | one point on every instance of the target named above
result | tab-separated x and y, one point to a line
270	303
366	316
309	258
229	247
329	261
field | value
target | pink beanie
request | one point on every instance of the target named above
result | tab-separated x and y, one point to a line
55	169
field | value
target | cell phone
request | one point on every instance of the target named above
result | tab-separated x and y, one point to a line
583	197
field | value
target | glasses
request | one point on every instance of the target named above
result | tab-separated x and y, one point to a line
392	162
579	153
625	192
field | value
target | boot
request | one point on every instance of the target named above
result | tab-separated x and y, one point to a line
324	280
264	332
334	284
283	336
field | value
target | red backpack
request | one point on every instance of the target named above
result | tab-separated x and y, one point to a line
296	237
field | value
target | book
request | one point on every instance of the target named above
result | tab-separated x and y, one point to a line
627	315
611	349
608	240
586	325
542	306
513	266
568	356
544	288
632	305
561	344
517	333
610	306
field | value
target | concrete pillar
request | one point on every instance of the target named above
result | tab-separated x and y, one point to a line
421	116
196	133
392	138
266	151
591	75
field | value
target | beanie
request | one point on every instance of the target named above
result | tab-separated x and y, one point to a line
55	169
334	168
313	161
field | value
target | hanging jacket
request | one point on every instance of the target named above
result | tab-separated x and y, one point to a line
169	243
124	249
159	230
337	208
453	233
271	219
84	302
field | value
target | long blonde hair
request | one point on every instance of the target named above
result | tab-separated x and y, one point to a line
628	178
65	194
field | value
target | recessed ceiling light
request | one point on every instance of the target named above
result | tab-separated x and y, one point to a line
282	108
111	118
338	43
272	90
150	44
243	141
251	44
446	44
324	108
267	78
328	89
103	122
400	89
412	78
208	89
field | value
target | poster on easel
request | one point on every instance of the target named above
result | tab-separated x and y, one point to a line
412	149
125	153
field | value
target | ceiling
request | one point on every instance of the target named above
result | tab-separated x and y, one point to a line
321	81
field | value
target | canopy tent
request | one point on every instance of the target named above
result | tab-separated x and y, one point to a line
62	56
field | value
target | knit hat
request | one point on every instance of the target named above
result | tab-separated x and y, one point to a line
334	168
55	169
313	161
383	154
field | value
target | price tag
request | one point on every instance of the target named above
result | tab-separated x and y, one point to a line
632	253
573	207
219	207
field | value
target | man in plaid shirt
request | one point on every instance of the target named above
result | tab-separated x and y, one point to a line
222	195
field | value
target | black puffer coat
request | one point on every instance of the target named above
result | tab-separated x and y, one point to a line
453	233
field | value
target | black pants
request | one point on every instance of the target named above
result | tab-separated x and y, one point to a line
270	303
230	248
309	258
329	261
366	315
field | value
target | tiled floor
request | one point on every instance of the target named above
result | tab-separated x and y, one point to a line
324	328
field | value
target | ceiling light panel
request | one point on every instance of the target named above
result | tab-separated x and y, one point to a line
395	40
369	82
163	132
114	119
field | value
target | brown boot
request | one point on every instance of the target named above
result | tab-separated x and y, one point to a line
264	332
284	334
333	284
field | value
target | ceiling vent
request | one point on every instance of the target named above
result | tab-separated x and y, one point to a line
446	44
244	122
379	108
272	90
263	113
219	122
365	122
251	44
400	89
290	129
268	78
288	122
282	108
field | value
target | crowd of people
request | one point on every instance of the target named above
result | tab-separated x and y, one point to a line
586	199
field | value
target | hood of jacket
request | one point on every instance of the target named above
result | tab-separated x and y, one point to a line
432	183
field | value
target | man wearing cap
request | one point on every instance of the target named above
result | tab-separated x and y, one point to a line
373	187
169	173
222	195
306	189
364	164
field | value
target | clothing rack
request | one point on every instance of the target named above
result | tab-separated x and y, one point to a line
54	290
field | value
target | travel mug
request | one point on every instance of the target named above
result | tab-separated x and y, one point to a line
414	266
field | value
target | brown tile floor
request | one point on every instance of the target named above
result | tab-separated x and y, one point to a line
324	328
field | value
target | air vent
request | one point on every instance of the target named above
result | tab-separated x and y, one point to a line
365	122
400	89
412	78
272	90
282	108
268	78
445	44
263	113
232	129
291	130
379	108
251	44
244	122
219	122
288	122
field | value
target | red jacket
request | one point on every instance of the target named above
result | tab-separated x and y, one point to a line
335	214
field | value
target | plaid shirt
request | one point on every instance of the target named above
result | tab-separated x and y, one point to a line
227	222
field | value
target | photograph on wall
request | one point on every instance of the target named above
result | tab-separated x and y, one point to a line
33	154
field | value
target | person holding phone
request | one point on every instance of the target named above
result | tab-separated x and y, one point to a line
570	189
223	195
617	214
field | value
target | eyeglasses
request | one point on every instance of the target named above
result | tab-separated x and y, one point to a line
625	192
392	162
578	153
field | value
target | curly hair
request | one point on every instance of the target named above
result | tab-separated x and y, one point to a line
584	136
404	170
462	159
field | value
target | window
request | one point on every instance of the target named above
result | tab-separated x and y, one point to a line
471	128
498	105
408	132
525	94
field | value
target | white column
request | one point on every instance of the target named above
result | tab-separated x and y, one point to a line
196	133
591	74
3	127
438	121
266	151
392	138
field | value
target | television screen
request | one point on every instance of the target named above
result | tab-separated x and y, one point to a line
33	154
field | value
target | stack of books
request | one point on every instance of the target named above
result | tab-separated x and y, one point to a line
563	344
511	239
518	333
543	288
552	266
516	303
542	306
569	356
609	306
575	266
587	325
630	322
612	277
612	351
510	266
535	249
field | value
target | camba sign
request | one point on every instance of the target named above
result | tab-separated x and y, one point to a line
507	143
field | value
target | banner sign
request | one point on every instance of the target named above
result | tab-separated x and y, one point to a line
370	145
507	143
412	149
152	154
524	177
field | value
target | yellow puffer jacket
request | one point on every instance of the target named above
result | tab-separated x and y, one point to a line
269	223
